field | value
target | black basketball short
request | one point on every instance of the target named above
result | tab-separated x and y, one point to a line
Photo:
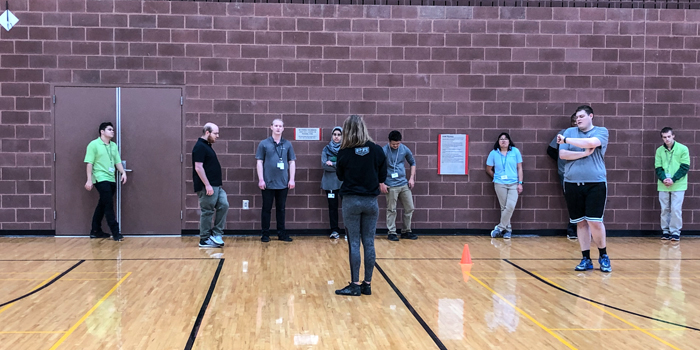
586	201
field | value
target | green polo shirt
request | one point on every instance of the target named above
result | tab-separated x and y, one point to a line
103	159
670	161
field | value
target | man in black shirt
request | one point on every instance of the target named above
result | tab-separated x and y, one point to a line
206	176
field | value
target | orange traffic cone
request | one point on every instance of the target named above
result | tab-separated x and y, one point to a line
466	257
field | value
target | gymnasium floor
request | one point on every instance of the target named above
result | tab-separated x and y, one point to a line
165	293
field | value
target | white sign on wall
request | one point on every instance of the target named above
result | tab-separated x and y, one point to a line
8	20
307	134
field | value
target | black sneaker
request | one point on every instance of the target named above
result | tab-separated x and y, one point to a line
409	235
666	236
285	238
393	237
366	288
265	239
352	290
117	237
675	237
99	234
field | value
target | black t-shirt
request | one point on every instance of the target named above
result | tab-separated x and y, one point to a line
204	153
361	169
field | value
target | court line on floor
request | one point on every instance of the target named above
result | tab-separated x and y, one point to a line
82	319
637	328
413	311
536	259
42	287
203	309
594	301
519	310
109	259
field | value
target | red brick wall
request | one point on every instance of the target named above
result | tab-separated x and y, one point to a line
421	70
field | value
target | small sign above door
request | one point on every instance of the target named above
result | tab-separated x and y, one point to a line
307	134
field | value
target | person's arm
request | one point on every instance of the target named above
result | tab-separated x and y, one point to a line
685	166
120	167
326	162
552	152
88	184
573	155
412	179
292	173
489	170
660	173
588	142
520	177
199	168
261	177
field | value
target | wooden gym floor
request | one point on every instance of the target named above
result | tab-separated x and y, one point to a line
165	293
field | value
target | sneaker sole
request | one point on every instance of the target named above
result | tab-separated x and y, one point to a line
606	270
209	246
586	269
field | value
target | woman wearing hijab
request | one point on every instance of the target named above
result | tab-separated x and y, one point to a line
362	167
330	182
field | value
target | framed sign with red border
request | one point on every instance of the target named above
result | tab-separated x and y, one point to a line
453	154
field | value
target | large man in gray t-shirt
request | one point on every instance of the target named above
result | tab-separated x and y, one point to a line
397	187
276	167
585	184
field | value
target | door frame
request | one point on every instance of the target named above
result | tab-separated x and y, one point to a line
183	186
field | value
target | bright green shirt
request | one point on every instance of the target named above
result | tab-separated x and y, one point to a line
671	161
103	159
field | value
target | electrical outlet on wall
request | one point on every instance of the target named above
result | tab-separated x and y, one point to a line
245	205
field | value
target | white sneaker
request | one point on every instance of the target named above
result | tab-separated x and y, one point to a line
217	239
334	235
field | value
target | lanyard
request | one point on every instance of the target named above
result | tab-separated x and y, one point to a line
396	161
669	159
504	159
279	150
109	152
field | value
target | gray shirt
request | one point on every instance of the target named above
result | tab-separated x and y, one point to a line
560	162
591	168
395	165
276	176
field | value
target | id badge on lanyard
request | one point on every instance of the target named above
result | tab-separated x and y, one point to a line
280	164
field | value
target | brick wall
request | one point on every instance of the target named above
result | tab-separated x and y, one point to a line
421	70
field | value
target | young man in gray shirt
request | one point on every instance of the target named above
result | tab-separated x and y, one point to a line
585	184
397	187
276	167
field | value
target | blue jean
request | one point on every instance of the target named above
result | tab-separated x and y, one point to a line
360	217
215	206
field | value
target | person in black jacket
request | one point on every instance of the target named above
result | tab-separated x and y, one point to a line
362	167
553	152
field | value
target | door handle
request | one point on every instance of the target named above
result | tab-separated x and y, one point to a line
124	166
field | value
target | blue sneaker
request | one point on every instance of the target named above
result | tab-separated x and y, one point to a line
506	235
586	264
496	233
604	262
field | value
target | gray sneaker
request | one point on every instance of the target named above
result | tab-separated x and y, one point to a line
496	233
217	239
334	235
208	243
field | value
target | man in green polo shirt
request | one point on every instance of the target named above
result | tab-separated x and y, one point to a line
672	162
102	158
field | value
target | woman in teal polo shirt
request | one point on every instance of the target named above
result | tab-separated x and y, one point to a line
505	166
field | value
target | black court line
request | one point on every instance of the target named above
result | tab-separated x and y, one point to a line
44	286
597	302
203	310
413	311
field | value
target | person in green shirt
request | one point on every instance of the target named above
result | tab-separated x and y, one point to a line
672	162
102	157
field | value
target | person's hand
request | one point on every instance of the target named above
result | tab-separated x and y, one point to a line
668	182
210	190
291	184
411	183
123	178
560	139
384	188
520	188
88	185
329	163
261	184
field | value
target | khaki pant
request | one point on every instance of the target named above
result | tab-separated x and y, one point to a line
671	211
404	195
507	197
